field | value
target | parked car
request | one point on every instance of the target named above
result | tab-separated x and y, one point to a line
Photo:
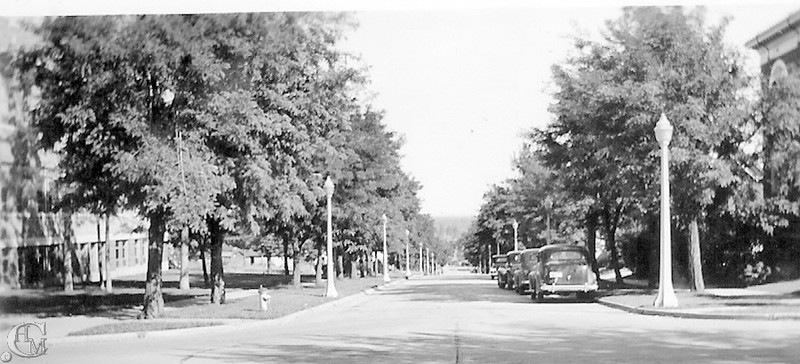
498	263
528	260
513	259
562	269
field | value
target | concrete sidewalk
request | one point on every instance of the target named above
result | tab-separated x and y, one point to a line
779	301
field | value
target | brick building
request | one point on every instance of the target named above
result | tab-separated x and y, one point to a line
31	235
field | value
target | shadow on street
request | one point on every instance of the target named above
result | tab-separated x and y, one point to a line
467	288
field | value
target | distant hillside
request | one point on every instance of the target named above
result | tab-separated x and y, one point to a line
450	228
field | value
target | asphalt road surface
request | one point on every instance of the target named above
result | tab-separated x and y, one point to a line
456	319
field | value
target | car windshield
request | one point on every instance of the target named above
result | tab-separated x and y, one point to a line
567	255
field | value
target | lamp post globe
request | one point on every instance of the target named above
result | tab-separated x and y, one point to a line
331	289
666	293
385	267
167	96
663	131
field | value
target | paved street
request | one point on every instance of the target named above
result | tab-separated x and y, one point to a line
456	319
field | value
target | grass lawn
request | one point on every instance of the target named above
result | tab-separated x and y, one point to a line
140	326
284	300
191	305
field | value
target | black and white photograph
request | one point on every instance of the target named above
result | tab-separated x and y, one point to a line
396	181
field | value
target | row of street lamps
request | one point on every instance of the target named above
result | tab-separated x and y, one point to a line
331	289
666	293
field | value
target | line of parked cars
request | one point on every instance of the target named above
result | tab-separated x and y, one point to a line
559	269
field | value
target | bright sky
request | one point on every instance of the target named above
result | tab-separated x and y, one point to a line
463	85
461	81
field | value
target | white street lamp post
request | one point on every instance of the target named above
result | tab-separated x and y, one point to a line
428	251
331	290
666	294
420	259
408	272
548	205
385	268
515	225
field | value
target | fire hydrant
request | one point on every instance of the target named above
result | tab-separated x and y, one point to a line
263	298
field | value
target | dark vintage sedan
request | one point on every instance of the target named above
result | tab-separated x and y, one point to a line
527	263
562	269
498	265
512	265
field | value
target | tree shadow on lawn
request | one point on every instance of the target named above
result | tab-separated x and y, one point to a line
90	300
91	304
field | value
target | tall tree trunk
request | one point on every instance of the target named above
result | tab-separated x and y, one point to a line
368	262
217	273
612	248
76	256
695	261
610	224
652	251
348	265
205	266
361	265
591	241
184	281
101	263
286	257
66	235
339	263
153	297
296	265
318	276
109	285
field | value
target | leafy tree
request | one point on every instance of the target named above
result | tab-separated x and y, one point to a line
779	122
371	183
102	81
772	204
653	60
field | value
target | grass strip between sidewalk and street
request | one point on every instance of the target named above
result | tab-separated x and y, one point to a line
140	326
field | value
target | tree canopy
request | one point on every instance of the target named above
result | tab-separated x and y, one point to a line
603	159
222	124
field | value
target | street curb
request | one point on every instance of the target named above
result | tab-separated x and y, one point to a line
692	315
221	328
